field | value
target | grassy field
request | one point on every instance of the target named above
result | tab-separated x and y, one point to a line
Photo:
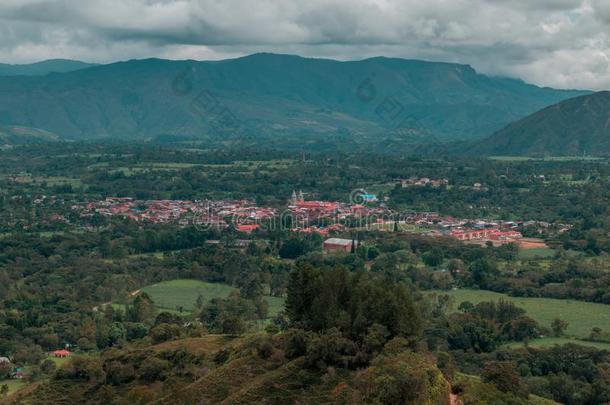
13	385
581	316
542	253
183	293
169	295
476	391
552	341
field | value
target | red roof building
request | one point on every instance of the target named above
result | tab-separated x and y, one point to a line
247	228
61	353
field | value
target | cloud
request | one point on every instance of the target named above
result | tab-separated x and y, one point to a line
561	43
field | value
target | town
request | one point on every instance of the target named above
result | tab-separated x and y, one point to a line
322	217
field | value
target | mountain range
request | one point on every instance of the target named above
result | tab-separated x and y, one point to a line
268	97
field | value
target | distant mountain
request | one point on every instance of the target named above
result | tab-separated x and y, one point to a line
278	99
43	68
577	126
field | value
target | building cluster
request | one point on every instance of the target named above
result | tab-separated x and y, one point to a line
307	217
492	234
423	181
181	211
479	231
310	211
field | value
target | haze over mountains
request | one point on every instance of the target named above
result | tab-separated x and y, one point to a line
269	97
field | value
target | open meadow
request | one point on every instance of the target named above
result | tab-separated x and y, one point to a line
171	295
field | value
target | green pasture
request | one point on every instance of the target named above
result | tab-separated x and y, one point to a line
581	316
171	295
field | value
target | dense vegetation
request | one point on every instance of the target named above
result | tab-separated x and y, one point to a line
184	313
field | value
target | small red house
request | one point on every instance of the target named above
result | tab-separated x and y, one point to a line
61	353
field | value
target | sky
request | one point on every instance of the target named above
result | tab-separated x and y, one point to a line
558	43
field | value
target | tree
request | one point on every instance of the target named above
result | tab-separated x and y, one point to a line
142	310
372	253
559	326
521	329
433	257
481	271
47	367
232	325
504	376
292	248
200	301
4	390
164	332
5	368
153	369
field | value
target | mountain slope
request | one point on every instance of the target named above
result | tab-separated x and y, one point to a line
43	68
577	126
21	135
272	97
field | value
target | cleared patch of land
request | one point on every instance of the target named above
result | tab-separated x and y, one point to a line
184	293
171	295
581	316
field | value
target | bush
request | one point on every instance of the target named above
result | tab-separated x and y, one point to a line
164	332
153	369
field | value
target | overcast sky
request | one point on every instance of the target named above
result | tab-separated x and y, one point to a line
560	43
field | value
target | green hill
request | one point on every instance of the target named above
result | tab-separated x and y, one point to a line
577	126
276	98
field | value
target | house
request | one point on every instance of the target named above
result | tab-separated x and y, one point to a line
61	353
4	360
339	245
